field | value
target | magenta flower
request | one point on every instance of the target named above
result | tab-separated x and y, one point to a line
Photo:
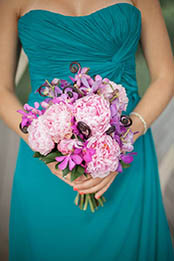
70	160
30	113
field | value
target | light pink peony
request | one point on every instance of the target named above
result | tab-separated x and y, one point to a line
107	91
57	119
67	146
38	138
106	158
94	110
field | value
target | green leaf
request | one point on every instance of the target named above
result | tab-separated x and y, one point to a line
77	172
73	136
124	165
65	171
37	155
48	160
53	155
80	139
80	169
57	166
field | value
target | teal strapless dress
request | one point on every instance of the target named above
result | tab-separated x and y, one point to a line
45	224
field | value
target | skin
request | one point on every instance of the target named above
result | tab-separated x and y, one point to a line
157	52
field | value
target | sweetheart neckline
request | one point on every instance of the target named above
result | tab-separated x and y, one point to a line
79	16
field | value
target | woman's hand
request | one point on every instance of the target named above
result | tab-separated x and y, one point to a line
67	179
99	185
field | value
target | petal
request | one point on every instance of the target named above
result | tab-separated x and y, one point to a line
64	163
71	164
76	158
127	158
72	79
87	157
60	158
119	169
36	105
85	70
85	82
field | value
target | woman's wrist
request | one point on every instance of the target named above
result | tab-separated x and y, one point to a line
137	126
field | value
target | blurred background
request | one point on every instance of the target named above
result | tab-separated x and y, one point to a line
163	137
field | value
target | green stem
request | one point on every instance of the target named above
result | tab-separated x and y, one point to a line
86	202
49	84
90	203
81	201
101	202
94	200
103	198
76	199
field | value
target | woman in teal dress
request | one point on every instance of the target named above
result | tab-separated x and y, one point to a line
45	224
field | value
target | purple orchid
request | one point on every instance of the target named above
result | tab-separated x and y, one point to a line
82	80
126	158
71	159
30	113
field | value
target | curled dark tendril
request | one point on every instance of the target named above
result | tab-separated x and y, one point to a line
70	94
74	67
74	89
23	129
126	120
110	130
70	86
84	129
40	90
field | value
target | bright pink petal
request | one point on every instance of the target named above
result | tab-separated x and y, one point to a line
36	105
87	157
60	158
64	163
71	164
77	150
76	158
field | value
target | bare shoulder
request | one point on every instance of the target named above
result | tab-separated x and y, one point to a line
148	5
15	7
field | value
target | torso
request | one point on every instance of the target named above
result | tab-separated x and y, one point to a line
75	8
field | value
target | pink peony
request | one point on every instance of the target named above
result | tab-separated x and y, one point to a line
106	158
107	92
38	137
57	119
94	110
67	146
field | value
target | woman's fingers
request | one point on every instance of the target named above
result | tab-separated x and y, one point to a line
95	187
82	179
88	184
85	184
67	178
101	191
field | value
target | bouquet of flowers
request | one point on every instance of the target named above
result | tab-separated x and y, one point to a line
80	125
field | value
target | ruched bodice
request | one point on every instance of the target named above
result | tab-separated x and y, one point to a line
105	40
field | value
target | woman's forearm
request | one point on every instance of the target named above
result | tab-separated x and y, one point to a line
154	101
8	112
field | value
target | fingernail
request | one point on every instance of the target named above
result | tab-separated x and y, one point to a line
81	193
97	197
75	189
